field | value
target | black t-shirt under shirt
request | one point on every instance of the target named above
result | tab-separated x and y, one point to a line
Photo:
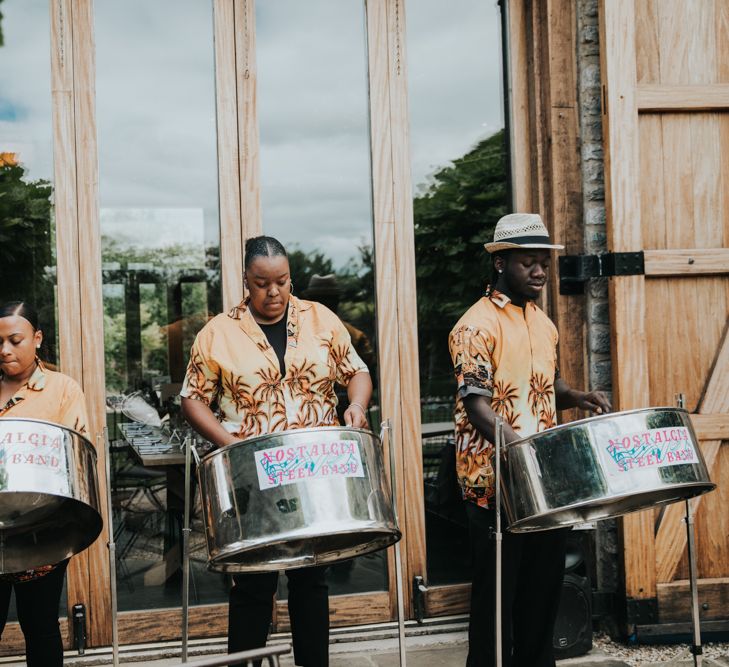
276	335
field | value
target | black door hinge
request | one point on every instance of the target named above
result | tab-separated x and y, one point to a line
419	591
576	270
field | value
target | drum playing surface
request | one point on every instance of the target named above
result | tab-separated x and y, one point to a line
602	467
294	499
49	500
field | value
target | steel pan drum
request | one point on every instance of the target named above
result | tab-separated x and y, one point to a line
602	467
294	499
49	499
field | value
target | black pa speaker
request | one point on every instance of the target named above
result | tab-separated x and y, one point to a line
573	627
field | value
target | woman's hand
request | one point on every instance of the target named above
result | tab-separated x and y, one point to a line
355	416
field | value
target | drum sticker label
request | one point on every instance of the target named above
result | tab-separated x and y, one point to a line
651	448
33	456
284	465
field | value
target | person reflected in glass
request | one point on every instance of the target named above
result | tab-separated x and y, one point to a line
504	351
28	389
270	365
326	291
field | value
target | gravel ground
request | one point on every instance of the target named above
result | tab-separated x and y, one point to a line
637	656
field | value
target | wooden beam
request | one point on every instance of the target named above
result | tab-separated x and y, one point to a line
671	537
674	600
95	572
692	261
627	295
410	462
226	105
344	610
388	331
448	600
248	140
663	98
711	427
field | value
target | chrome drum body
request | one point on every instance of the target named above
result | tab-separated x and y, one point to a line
294	499
49	497
602	467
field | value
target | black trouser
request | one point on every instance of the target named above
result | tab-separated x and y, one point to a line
531	582
37	604
251	610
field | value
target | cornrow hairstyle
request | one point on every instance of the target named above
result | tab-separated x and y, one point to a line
20	309
263	246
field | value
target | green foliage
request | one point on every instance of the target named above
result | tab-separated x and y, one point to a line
27	266
454	216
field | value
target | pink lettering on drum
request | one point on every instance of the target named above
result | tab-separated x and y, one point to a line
651	448
279	466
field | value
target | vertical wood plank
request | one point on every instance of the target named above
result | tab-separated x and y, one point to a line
520	125
395	256
66	216
564	214
248	141
627	294
226	105
94	573
411	451
64	177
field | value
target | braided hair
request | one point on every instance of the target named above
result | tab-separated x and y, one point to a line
263	246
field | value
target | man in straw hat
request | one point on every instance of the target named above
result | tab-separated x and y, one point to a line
504	350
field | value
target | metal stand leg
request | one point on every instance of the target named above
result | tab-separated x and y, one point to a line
696	648
387	427
186	553
112	556
499	432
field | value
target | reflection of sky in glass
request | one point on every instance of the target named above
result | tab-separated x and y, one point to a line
313	116
25	86
156	118
454	79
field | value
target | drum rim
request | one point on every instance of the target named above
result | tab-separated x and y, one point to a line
50	423
607	415
274	434
706	487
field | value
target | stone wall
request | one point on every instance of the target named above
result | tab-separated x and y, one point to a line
598	325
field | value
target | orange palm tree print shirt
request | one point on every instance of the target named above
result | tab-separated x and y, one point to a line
508	354
234	369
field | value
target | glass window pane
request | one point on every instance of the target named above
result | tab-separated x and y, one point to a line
316	182
161	275
460	183
27	226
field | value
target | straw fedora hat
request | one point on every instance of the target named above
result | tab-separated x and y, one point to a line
520	230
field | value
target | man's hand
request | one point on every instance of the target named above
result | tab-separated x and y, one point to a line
595	401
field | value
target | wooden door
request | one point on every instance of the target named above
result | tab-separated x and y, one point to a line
665	73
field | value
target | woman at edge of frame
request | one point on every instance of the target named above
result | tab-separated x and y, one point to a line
30	390
270	365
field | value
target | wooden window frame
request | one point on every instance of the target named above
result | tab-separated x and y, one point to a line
545	177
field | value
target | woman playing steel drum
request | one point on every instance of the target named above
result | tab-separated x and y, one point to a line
269	365
30	390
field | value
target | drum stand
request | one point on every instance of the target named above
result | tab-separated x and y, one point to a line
111	544
387	427
499	441
186	552
696	648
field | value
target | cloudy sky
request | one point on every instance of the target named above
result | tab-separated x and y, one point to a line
156	110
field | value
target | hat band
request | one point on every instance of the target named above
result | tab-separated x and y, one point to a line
522	240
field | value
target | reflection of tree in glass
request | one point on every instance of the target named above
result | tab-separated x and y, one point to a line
455	214
152	295
26	245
